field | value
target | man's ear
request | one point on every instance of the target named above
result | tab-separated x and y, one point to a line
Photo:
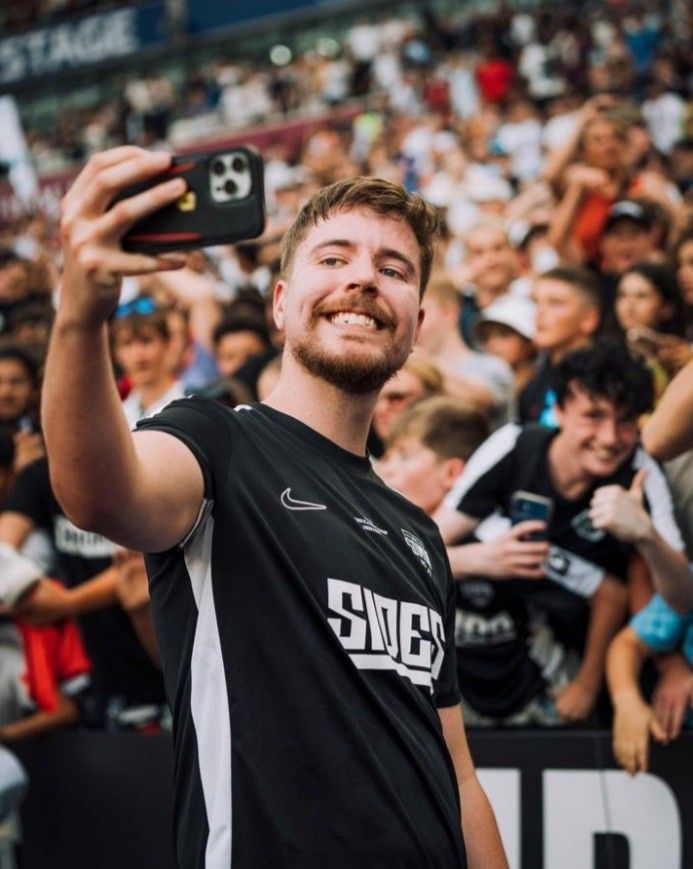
279	303
590	321
417	332
450	471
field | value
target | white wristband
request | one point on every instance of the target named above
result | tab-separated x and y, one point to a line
17	574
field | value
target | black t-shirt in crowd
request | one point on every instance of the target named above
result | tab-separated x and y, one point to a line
497	672
536	400
306	629
121	666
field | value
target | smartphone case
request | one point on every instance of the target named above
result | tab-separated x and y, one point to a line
526	505
196	219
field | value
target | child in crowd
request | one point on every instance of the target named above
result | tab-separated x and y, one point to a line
417	379
428	446
535	616
140	340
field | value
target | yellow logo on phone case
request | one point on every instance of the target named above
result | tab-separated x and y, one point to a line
188	201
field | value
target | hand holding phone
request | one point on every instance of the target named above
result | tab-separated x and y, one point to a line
223	203
91	229
526	506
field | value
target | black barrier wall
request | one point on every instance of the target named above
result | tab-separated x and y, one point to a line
102	801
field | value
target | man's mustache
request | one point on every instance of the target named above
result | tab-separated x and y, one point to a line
361	304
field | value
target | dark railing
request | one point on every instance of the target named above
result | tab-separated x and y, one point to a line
102	801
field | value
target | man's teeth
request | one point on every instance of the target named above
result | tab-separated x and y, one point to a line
346	318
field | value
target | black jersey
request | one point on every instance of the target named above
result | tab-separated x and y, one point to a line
497	671
306	629
121	666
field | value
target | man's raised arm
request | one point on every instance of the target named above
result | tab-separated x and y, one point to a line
142	491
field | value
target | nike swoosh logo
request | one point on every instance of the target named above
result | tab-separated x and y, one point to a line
293	504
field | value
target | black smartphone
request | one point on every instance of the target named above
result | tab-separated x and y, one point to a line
525	506
224	203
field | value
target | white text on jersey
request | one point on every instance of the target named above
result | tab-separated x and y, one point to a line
381	633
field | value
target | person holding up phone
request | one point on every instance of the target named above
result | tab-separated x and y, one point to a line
524	605
302	738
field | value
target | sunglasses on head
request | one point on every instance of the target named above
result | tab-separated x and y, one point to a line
140	305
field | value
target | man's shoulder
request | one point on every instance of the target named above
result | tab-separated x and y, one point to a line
193	408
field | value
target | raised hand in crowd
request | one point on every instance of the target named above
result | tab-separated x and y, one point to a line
91	231
621	512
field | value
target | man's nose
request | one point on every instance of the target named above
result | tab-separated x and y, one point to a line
363	274
608	432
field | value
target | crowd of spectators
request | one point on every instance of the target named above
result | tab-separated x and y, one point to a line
508	82
559	317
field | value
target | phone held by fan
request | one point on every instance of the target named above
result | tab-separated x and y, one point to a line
526	506
224	203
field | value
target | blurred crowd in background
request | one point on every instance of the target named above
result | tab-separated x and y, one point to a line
557	143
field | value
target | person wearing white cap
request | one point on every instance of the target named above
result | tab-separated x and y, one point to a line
506	329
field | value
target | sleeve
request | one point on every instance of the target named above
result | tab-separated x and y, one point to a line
486	478
447	689
659	501
31	494
659	626
205	427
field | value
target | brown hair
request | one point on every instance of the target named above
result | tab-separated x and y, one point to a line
430	376
443	290
579	279
452	429
375	194
138	324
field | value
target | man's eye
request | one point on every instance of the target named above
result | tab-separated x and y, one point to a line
330	261
389	272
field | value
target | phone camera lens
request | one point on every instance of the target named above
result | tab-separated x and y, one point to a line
218	167
230	187
238	164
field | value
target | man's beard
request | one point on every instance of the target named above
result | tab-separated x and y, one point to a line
354	373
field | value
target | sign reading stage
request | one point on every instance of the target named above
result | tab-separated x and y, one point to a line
73	44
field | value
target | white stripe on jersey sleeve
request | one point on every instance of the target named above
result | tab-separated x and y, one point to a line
209	703
659	499
493	449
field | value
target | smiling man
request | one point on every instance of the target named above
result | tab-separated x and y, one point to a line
304	611
610	510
